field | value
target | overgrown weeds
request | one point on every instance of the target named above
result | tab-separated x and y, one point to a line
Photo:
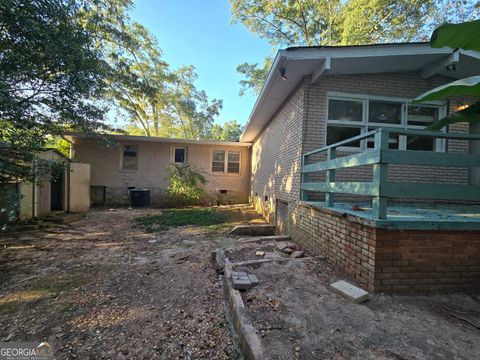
179	217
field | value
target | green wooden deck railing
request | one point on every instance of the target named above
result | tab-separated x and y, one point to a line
380	157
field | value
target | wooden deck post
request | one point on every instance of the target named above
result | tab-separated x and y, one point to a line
303	178
330	177
380	176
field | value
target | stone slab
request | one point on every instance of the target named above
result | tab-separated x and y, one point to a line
349	291
253	230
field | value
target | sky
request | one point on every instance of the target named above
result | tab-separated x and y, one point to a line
200	33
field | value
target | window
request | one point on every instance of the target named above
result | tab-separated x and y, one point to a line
226	161
352	115
346	118
180	155
419	117
218	164
233	163
130	157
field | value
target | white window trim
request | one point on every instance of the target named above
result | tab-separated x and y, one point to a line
173	155
225	163
440	144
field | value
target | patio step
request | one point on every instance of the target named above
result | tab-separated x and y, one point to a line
64	218
253	239
254	230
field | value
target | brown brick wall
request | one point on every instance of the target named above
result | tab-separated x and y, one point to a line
430	261
391	260
395	85
276	157
299	126
349	245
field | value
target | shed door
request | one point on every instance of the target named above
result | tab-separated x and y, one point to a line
43	199
281	216
79	187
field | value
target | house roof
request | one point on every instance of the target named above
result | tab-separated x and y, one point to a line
318	61
133	138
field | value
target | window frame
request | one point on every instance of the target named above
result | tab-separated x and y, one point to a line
122	157
185	149
364	125
225	163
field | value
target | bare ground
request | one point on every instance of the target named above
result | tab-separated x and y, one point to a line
297	316
104	288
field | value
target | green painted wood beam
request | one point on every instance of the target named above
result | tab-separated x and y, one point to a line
357	188
330	197
434	134
344	142
430	191
368	157
429	158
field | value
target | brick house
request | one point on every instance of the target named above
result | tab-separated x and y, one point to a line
126	162
318	96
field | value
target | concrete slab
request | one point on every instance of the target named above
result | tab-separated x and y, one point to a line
253	230
241	281
255	239
349	291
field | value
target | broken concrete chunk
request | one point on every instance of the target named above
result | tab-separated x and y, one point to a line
282	245
349	291
253	279
260	253
241	281
239	273
298	254
288	250
219	259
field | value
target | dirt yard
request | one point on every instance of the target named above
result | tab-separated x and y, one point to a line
297	316
104	288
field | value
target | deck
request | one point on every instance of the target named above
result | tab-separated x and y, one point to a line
411	216
395	204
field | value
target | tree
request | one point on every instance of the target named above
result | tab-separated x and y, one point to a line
138	78
157	99
190	111
230	131
383	21
50	72
351	22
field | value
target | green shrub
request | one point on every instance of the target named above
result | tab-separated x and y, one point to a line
185	185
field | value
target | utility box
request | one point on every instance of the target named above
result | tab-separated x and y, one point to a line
139	197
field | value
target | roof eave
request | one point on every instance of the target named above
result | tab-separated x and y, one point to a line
160	139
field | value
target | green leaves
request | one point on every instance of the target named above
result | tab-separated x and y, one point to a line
352	22
50	71
185	184
462	87
469	115
465	36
